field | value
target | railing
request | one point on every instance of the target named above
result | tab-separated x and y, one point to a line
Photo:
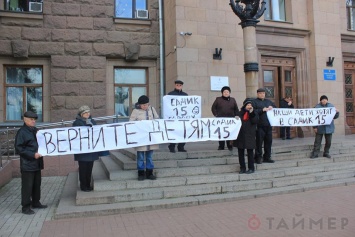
7	135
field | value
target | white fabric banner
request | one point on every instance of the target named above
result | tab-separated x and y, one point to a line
75	140
181	107
301	117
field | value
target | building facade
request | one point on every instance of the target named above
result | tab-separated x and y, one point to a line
58	55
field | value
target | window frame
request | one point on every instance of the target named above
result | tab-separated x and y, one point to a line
24	87
350	20
3	8
287	12
134	8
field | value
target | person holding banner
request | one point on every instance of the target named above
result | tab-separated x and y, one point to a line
286	103
177	91
144	111
326	130
264	129
246	136
85	160
31	164
225	106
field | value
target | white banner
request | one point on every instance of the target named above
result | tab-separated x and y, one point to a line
75	140
181	107
301	117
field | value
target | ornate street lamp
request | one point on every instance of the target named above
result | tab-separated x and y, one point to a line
248	12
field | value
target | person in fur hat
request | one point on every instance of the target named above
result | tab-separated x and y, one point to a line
144	111
246	136
225	106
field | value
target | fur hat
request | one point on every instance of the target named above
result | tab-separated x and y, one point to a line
179	82
225	88
323	97
84	109
261	90
30	114
247	101
143	100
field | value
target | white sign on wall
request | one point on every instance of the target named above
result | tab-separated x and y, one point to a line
181	107
218	82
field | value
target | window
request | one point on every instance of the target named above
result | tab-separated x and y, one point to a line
129	85
33	6
131	9
275	10
350	8
23	91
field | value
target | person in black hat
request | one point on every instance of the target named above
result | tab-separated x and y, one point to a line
177	91
145	165
326	130
31	164
225	106
264	129
85	160
246	136
285	132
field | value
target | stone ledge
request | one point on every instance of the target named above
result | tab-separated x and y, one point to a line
27	15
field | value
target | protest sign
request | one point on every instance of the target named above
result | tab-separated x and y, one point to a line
181	107
301	117
75	140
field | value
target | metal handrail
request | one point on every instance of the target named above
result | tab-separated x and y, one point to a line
7	143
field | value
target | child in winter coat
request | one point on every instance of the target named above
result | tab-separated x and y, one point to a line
144	111
246	136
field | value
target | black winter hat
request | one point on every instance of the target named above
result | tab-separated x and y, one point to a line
30	114
179	82
323	97
260	90
143	100
247	101
225	88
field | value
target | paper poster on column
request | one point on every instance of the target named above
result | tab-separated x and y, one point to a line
181	107
218	82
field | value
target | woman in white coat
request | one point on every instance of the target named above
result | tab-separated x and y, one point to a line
144	111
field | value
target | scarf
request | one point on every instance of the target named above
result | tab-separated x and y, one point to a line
246	116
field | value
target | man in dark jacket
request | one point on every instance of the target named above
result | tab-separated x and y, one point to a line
287	104
177	91
31	164
326	130
264	129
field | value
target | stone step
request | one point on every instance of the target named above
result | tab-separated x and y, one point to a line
68	209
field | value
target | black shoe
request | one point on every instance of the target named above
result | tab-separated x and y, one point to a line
39	206
327	156
172	150
249	172
28	211
220	148
182	150
258	160
314	156
289	138
86	189
269	161
242	171
141	175
150	175
230	148
283	138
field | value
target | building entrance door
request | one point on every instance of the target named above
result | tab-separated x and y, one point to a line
349	74
279	80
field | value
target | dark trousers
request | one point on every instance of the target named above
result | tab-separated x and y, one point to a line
85	172
263	135
180	146
222	144
318	142
30	188
285	131
242	158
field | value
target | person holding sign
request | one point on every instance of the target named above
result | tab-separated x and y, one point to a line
144	111
177	91
85	160
286	103
246	136
31	164
326	130
225	106
264	129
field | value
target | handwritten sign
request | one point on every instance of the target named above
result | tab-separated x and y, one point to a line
301	117
75	140
181	107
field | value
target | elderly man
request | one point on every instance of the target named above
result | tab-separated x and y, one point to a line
177	91
31	164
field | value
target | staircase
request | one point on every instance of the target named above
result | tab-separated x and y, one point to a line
204	175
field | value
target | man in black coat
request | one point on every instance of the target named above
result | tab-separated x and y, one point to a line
287	104
264	129
177	91
31	164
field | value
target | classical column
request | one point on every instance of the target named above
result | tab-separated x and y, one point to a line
248	13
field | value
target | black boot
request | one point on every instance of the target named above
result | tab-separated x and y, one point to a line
242	170
150	175
141	175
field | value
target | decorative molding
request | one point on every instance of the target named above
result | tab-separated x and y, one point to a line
251	67
27	15
275	30
132	21
347	38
